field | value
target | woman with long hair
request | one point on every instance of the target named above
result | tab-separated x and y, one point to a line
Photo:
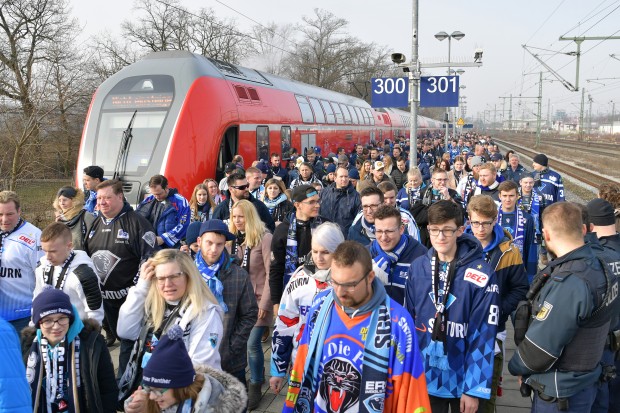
201	204
457	172
252	246
276	200
365	171
68	364
306	282
388	164
171	382
170	291
214	191
69	210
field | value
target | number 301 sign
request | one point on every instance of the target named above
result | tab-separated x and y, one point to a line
439	91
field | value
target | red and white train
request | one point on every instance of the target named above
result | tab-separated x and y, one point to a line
193	114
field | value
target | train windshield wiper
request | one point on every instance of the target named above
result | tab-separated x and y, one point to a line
121	160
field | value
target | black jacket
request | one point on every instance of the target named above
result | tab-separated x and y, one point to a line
400	178
222	211
282	210
340	205
419	210
79	225
99	391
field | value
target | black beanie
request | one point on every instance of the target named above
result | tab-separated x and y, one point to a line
170	366
541	159
601	212
51	301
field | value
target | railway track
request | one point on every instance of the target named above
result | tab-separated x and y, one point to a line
601	149
583	175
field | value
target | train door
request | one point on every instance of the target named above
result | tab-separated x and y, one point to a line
228	149
262	143
285	142
308	140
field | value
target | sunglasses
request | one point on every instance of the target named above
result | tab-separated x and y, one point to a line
241	187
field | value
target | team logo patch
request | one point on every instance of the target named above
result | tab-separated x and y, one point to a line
149	237
104	262
375	403
476	277
122	234
27	240
544	311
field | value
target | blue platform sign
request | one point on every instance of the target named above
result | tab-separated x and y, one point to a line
390	92
439	91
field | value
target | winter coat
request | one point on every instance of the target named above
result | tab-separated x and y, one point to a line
419	210
79	226
199	341
340	205
14	389
169	218
515	175
98	390
260	259
399	178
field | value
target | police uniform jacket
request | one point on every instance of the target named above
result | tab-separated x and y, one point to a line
564	343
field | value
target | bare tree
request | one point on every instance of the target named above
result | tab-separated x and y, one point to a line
111	55
272	44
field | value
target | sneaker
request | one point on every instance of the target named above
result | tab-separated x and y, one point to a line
109	340
254	395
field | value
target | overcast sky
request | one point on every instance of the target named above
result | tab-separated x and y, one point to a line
499	27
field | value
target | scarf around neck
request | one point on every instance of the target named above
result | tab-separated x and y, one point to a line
291	258
209	274
387	260
271	204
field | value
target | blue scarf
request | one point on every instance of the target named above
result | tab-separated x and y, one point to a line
271	204
517	229
388	260
290	261
376	359
209	274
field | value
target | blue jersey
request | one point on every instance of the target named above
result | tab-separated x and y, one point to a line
550	186
473	311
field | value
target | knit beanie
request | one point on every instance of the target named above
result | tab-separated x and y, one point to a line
541	159
51	301
169	366
601	212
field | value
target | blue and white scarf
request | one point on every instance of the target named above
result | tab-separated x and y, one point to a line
517	229
387	260
271	204
291	258
209	274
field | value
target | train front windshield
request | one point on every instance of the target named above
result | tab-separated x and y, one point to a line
150	97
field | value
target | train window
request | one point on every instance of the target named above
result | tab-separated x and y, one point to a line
371	119
354	119
304	107
318	111
285	137
337	112
360	117
329	112
262	142
380	134
372	136
346	113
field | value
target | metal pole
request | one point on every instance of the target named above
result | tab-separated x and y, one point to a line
495	116
447	108
413	87
613	115
539	118
583	96
510	115
590	115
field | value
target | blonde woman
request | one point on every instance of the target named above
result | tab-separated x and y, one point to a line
201	204
170	291
365	171
388	164
69	209
253	248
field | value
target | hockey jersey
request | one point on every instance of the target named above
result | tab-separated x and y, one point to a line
117	247
295	304
19	255
549	184
473	312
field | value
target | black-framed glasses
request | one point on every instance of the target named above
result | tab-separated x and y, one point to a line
156	391
62	322
240	187
347	286
371	207
483	224
447	232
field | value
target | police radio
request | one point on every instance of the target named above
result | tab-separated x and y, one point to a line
523	313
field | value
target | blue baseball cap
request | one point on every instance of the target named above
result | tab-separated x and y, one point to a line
217	226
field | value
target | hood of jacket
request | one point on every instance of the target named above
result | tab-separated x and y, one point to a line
499	235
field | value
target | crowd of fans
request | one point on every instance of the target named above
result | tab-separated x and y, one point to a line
378	283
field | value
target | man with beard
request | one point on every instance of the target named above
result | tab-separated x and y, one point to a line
358	351
487	183
238	189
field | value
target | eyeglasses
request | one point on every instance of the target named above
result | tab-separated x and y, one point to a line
311	203
478	224
447	232
388	232
440	179
62	322
371	206
171	277
240	187
157	392
346	286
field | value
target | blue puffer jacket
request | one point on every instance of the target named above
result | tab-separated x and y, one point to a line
14	389
340	205
170	218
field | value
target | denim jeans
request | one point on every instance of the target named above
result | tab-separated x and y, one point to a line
256	357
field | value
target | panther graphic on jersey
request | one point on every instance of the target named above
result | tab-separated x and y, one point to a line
339	386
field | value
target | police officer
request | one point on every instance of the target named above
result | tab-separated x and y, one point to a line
560	354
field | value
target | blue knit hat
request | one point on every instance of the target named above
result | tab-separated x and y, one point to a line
51	301
170	366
